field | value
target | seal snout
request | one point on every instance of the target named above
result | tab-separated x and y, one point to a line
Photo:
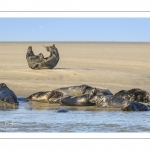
49	48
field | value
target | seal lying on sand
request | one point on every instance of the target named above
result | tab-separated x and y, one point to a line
82	100
103	91
135	94
107	101
47	97
82	89
7	96
75	90
112	101
39	62
53	96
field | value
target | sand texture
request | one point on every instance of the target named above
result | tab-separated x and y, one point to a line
115	66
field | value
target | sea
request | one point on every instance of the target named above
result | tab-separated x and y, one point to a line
28	118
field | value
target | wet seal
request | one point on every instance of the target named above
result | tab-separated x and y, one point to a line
134	106
82	100
7	96
47	96
112	101
63	110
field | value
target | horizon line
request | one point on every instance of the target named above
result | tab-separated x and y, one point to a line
81	41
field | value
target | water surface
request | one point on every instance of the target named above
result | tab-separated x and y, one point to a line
37	117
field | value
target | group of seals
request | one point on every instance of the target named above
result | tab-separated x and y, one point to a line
112	101
72	95
7	96
39	62
135	94
83	95
82	89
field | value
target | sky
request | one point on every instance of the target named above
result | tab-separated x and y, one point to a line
75	29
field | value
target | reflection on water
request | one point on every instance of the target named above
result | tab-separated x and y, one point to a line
40	117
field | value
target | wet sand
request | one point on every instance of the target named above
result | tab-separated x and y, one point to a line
115	66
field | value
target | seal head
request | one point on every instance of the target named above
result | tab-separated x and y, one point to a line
7	96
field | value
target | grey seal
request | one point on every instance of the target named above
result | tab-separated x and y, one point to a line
62	110
135	94
112	101
47	96
82	100
134	106
39	62
7	96
82	89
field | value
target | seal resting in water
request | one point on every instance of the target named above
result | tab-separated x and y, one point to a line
62	110
82	89
82	100
7	96
112	101
135	94
134	106
39	62
47	97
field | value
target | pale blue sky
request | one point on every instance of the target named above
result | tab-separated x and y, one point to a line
75	29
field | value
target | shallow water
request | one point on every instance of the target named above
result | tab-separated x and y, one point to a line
38	117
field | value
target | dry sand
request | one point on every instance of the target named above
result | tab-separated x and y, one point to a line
115	66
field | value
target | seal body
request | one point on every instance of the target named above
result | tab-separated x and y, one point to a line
82	89
39	62
82	100
74	90
123	94
7	96
110	101
135	94
47	96
62	110
134	106
101	91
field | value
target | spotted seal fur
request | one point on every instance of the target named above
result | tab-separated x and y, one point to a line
39	62
112	101
82	89
47	96
135	94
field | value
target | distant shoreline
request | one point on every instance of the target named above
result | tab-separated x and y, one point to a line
66	42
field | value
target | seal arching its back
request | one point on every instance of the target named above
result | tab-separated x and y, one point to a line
39	62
